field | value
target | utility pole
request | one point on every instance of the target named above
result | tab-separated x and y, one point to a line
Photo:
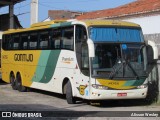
34	11
11	16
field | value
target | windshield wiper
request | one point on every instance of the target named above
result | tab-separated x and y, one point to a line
116	69
134	72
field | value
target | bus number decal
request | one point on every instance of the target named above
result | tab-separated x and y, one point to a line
82	89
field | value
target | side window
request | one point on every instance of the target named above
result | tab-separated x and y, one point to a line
16	41
44	39
67	38
10	42
85	59
81	34
4	42
82	49
33	40
24	41
55	42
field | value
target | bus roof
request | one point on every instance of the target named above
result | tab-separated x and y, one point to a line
58	23
110	23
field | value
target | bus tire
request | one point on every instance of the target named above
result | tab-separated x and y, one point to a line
13	81
69	95
20	87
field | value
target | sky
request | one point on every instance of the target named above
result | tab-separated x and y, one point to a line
22	10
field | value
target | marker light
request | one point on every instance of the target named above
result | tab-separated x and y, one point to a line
142	86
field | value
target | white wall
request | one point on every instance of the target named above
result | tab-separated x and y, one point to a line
149	24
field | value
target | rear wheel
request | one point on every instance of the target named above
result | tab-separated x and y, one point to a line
13	81
20	87
69	95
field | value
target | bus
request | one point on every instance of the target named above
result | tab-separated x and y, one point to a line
88	59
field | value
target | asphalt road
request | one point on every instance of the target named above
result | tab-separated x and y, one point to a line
55	105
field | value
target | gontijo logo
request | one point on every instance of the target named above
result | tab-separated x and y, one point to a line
23	57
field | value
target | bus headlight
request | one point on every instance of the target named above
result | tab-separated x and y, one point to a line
99	87
142	86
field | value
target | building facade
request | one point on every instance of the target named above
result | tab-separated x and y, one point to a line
63	14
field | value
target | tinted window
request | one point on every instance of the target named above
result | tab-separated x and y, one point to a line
4	42
10	42
81	34
16	41
44	39
82	49
33	40
67	38
24	41
56	38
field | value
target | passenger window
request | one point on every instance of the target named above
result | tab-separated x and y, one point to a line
56	39
44	40
16	41
67	38
24	41
33	40
81	34
10	42
4	42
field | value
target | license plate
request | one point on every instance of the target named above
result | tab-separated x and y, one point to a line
121	94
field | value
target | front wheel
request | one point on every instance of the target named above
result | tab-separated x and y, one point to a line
69	95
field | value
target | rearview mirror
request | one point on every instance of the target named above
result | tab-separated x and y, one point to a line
152	52
91	48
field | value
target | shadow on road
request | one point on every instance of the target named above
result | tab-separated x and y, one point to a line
48	93
104	103
2	82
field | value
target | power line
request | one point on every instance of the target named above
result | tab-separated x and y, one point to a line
15	8
22	6
22	13
48	6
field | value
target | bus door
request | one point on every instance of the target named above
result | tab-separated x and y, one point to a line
82	71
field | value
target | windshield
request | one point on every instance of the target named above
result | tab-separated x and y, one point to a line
117	59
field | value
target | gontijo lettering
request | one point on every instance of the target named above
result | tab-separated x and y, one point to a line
23	57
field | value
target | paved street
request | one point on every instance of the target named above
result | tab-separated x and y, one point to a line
36	100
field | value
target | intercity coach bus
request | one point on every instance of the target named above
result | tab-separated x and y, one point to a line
90	59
